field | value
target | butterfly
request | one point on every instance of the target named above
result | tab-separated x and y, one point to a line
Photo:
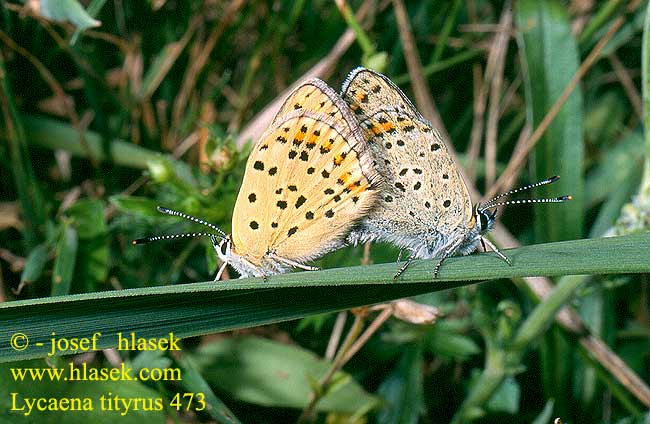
308	180
424	206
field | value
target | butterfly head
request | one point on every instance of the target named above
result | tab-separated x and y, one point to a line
485	219
223	247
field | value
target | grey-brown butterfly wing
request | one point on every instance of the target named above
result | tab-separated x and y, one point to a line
425	200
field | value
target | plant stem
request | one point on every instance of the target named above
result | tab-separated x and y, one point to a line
308	413
484	387
544	313
595	23
362	38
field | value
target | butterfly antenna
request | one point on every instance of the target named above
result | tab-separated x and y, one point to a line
492	202
191	218
171	237
559	199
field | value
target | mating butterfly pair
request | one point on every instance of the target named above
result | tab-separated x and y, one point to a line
337	169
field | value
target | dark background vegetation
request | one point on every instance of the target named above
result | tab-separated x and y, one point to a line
156	104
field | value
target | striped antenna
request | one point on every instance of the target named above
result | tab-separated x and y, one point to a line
523	188
172	212
191	218
171	237
559	199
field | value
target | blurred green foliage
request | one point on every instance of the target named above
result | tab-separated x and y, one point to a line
110	108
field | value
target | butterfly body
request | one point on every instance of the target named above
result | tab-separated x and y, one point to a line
424	206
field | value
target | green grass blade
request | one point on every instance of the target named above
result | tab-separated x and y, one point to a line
34	264
30	197
203	308
550	57
645	86
66	259
403	389
56	135
194	382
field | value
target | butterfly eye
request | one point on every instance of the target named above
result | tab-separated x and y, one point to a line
484	221
224	247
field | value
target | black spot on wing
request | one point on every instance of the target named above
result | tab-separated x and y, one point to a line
301	200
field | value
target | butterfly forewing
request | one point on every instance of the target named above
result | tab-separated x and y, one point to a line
308	180
315	96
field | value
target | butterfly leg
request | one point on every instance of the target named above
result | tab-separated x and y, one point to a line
494	248
292	263
402	268
445	254
438	265
222	268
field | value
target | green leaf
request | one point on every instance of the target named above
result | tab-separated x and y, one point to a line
204	308
617	166
644	191
52	134
444	341
193	382
643	419
68	11
546	415
92	261
34	264
28	190
88	218
66	257
550	60
93	9
506	397
269	373
403	390
137	205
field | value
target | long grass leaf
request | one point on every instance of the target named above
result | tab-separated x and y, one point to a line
203	308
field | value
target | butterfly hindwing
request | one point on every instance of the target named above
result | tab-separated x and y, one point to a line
423	186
